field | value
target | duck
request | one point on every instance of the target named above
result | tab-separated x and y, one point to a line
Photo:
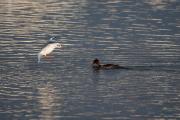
97	65
48	49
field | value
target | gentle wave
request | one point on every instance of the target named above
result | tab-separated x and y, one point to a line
140	35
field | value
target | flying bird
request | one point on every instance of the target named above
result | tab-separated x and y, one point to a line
49	47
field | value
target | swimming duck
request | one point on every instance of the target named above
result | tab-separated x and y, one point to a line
96	65
49	47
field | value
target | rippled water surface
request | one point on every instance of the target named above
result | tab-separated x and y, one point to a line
140	34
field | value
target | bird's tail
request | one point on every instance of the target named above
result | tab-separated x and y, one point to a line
39	58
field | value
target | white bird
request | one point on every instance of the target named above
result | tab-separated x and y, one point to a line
51	45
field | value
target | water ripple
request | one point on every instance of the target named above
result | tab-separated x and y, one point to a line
142	35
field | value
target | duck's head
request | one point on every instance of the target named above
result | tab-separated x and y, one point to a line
96	64
96	61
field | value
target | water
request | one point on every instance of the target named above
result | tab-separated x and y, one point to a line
143	35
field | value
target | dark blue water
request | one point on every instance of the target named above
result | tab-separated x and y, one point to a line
140	34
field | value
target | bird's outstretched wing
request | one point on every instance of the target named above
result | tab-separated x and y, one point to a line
51	40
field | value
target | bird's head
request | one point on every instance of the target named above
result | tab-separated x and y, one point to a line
58	45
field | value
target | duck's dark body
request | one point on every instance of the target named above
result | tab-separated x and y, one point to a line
96	65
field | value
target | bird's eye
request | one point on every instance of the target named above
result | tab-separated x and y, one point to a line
58	45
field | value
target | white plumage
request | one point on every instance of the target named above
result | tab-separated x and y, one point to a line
47	50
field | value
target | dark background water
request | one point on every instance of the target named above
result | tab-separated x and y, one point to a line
141	34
